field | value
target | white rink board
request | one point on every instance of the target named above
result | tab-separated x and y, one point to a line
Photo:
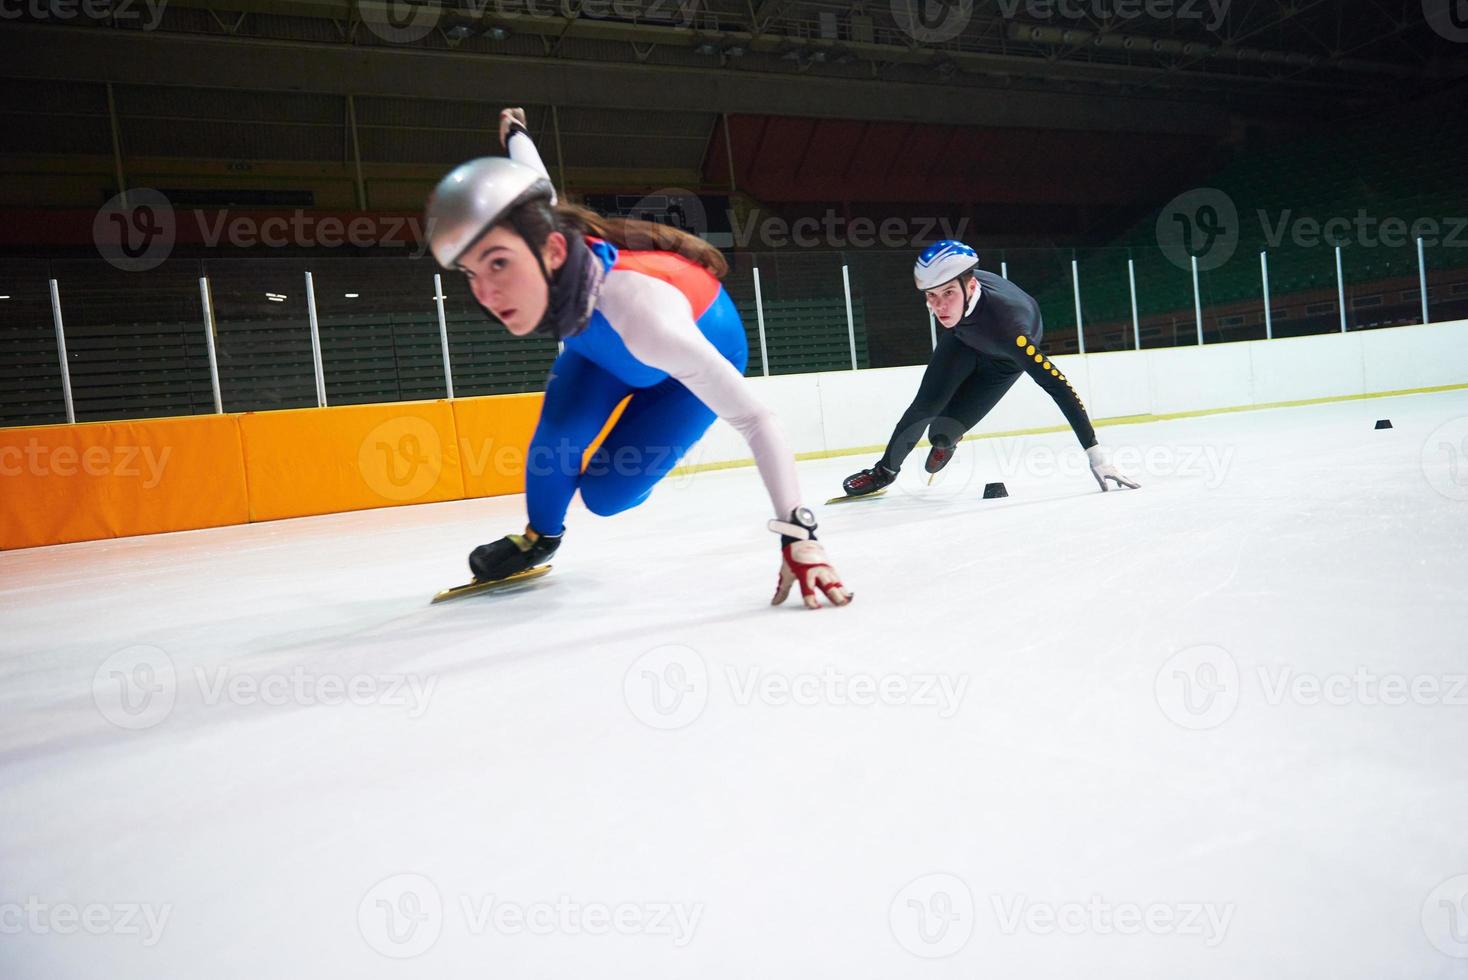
854	409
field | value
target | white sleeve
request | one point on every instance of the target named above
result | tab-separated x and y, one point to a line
654	320
522	150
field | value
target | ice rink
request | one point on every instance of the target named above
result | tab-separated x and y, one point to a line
1213	728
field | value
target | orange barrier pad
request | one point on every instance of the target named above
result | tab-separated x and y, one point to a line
62	483
325	460
494	438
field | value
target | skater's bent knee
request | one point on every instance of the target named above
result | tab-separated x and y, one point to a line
604	498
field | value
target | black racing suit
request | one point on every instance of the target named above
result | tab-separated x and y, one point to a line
975	363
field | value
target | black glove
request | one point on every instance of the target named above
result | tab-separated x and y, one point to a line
512	553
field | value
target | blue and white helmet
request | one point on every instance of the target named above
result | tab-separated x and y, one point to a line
942	262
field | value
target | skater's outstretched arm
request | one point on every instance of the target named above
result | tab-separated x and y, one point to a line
1023	351
654	320
515	138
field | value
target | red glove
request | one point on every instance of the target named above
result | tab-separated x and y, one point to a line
805	562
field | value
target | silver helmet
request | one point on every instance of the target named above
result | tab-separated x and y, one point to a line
473	197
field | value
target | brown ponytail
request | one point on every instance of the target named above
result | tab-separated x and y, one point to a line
649	236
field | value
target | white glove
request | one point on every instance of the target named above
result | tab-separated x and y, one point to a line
508	119
1102	469
805	562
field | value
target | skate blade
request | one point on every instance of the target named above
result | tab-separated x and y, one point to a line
479	588
847	498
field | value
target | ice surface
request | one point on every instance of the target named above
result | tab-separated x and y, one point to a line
1063	733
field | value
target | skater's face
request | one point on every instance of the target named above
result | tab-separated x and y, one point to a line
506	280
949	300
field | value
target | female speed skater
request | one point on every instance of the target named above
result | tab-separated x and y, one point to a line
991	335
639	311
